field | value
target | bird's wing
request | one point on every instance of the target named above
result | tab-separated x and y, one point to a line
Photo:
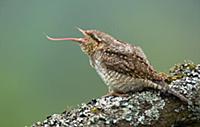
132	64
140	52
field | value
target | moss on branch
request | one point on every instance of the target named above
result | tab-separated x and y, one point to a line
145	108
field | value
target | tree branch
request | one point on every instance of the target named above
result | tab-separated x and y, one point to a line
145	108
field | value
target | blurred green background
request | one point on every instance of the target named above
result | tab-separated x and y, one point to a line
40	77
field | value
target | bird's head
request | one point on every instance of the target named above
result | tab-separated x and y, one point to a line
92	41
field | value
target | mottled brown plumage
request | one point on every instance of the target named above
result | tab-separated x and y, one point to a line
122	66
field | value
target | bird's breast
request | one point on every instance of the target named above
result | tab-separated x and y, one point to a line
110	77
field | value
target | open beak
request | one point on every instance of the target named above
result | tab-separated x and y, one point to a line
80	40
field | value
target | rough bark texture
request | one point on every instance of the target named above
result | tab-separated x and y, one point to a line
145	108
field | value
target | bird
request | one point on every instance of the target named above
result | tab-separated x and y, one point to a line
122	66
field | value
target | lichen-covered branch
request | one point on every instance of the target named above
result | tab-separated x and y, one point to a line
144	108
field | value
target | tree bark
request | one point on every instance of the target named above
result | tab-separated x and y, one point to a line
145	108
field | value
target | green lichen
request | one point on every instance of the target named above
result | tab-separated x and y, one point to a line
176	72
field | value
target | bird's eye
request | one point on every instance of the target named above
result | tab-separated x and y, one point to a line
95	37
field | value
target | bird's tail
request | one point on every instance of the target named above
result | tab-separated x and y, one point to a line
168	89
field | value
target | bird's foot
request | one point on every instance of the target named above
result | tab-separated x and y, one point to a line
116	94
